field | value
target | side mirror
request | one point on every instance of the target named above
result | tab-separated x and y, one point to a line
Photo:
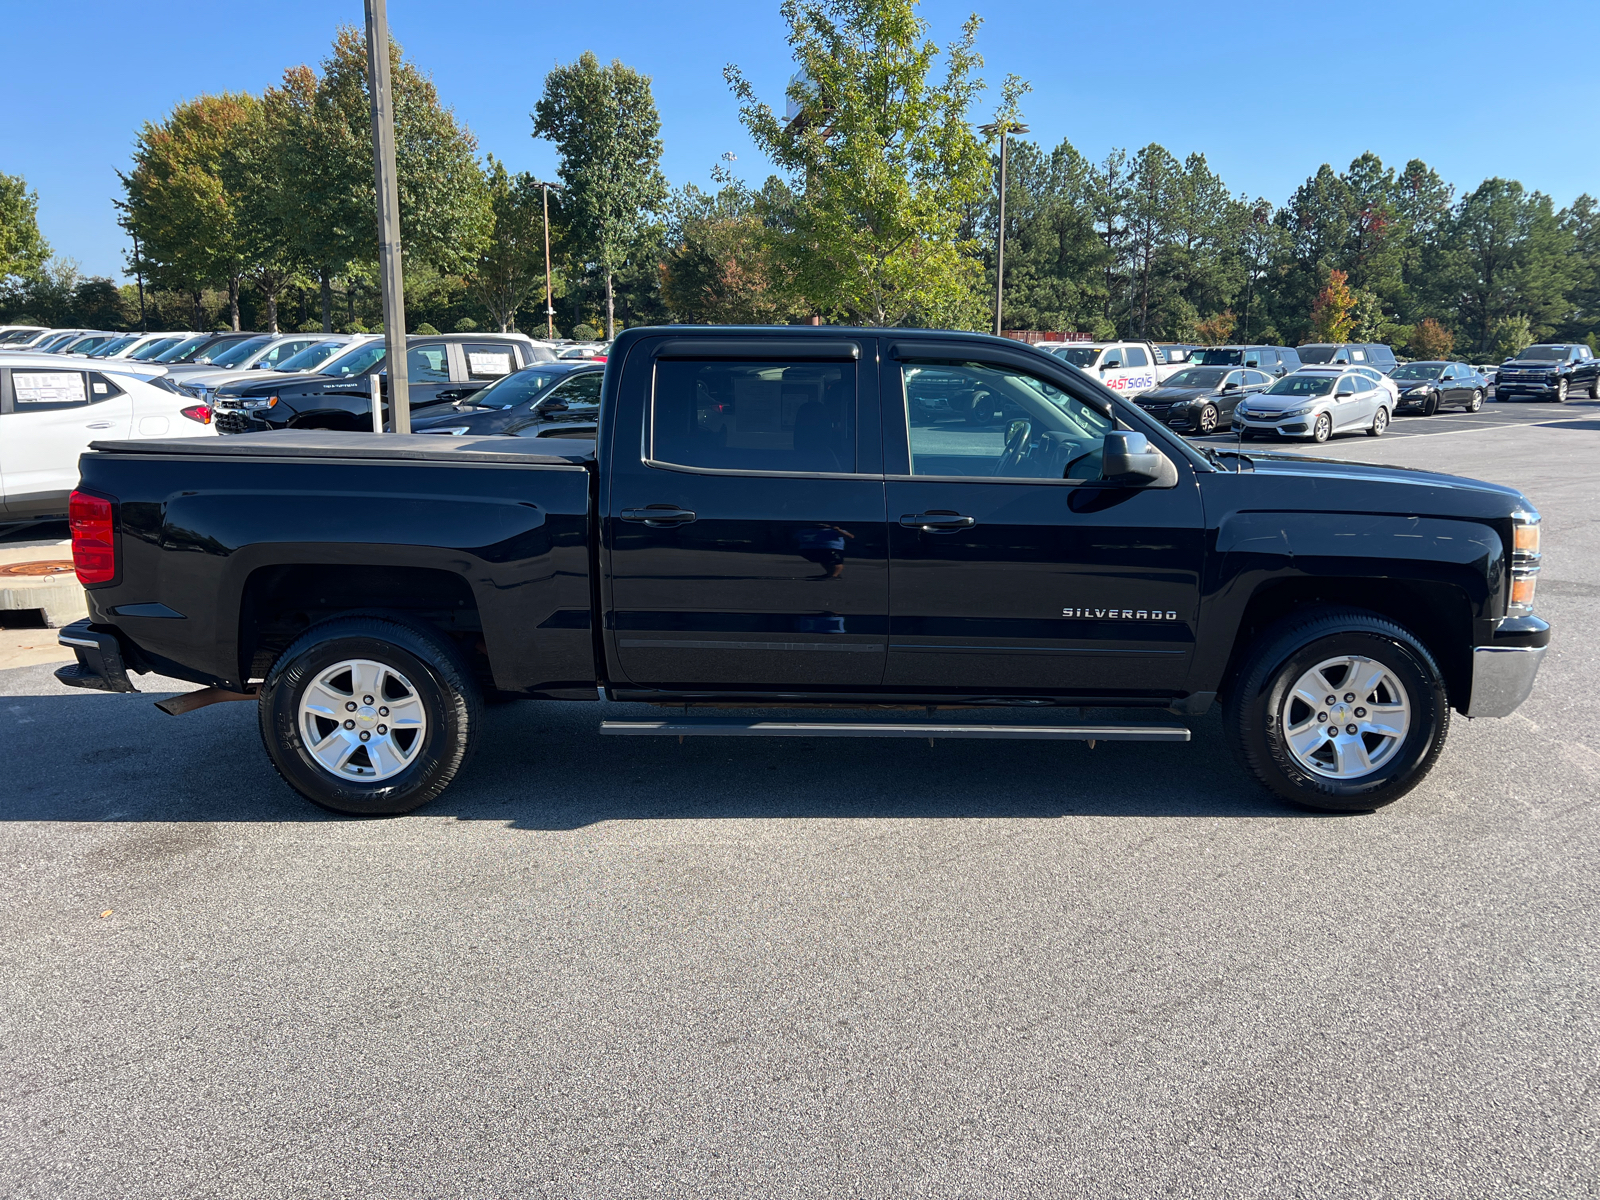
1130	458
1110	363
1230	387
1252	362
553	406
1342	395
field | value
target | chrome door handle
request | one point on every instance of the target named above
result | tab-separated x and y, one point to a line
659	515
936	522
101	425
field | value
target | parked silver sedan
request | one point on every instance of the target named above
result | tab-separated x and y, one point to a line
1317	404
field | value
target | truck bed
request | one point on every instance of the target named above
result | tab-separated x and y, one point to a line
327	443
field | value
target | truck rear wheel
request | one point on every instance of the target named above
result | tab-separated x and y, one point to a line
1339	710
369	716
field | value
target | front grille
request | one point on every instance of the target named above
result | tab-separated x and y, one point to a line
232	422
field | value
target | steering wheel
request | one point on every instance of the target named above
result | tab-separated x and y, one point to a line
1018	435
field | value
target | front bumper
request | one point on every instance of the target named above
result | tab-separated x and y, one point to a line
238	420
1285	426
1503	672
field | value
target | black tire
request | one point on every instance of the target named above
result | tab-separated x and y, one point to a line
1476	403
1430	406
1252	711
1322	428
1594	388
443	685
1561	391
1206	422
1380	422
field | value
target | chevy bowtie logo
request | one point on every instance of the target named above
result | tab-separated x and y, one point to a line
1120	614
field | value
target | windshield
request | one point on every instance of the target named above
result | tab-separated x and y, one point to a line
312	357
111	347
183	349
1543	354
1417	371
150	349
363	360
1317	354
1217	358
235	353
1078	356
1197	377
1302	385
511	390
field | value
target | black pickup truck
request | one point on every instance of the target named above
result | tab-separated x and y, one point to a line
1549	371
793	517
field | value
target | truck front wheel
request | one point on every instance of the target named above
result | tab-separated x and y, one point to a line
1339	710
369	716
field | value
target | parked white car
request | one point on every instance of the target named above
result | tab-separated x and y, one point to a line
1126	367
137	346
1316	404
52	408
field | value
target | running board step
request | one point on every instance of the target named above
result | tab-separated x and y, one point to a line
729	727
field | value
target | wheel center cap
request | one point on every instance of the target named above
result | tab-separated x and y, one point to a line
366	715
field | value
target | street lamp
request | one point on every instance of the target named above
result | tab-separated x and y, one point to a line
549	308
1005	129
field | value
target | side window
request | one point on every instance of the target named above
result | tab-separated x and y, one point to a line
972	419
1136	357
1234	379
1357	354
1254	378
1112	357
102	388
38	391
578	392
428	364
1354	383
755	416
282	351
489	361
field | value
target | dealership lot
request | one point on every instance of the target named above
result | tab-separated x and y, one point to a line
855	969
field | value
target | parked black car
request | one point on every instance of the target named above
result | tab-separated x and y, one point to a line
440	367
1277	361
545	400
770	517
1199	399
1366	354
1427	387
1549	371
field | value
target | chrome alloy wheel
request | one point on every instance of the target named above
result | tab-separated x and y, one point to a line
1346	717
362	720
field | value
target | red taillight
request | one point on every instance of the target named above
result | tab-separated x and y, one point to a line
94	549
198	412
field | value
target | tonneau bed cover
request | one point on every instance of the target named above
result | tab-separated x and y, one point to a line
329	443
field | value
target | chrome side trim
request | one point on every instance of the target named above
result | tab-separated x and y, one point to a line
1502	677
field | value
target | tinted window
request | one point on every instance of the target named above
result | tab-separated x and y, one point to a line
310	357
363	360
512	390
580	391
1236	378
1542	354
1216	358
428	364
971	419
1256	378
489	361
1289	358
1301	385
282	352
755	416
1317	354
1078	356
1197	377
231	354
1136	357
1421	370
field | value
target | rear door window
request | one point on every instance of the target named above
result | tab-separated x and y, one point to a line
428	364
38	391
1136	357
489	360
755	416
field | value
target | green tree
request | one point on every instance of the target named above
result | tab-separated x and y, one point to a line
511	266
1152	202
1581	222
179	202
23	250
884	162
1332	314
604	124
323	135
1509	336
722	263
1509	255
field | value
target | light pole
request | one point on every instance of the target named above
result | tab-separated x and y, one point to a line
549	307
388	189
1005	129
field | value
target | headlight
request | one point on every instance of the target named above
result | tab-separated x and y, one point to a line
1298	412
260	402
1419	391
1241	408
1525	561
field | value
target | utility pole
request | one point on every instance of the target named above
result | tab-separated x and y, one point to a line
388	189
1004	129
138	274
549	307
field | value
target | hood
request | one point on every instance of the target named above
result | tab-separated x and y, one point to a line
1168	394
1411	486
266	383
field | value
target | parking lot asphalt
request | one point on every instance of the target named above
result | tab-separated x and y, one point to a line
780	969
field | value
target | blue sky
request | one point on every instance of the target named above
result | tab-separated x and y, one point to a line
1267	91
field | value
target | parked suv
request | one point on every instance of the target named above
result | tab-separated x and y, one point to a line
1549	371
1374	354
1276	361
440	368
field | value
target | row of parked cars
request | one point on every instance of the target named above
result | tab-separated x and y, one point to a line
1318	390
61	390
